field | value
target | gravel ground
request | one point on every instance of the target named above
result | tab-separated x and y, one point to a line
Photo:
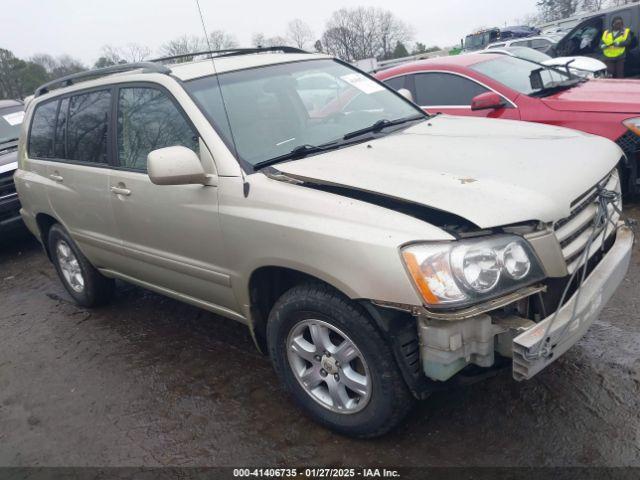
148	381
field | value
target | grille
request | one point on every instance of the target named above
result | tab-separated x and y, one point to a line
7	187
574	231
629	143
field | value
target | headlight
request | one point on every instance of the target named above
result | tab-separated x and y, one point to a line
465	272
633	124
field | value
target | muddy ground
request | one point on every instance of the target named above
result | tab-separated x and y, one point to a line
151	381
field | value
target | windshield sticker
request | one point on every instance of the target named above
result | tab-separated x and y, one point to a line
362	83
14	118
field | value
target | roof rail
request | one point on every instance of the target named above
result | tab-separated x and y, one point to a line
147	67
232	52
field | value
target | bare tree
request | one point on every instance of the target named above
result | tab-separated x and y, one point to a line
67	65
134	52
182	46
45	60
260	40
364	32
111	55
392	31
557	9
220	40
339	40
299	33
57	66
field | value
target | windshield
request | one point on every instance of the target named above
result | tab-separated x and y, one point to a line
477	40
275	109
515	73
528	54
10	121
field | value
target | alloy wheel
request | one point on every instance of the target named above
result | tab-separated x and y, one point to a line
70	266
329	366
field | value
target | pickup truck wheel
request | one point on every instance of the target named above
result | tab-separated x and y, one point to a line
85	284
334	362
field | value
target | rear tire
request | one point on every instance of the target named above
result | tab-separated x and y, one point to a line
364	395
85	284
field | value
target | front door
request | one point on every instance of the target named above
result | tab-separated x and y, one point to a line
171	233
441	92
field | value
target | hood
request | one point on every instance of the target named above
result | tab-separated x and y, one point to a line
8	160
490	172
587	64
606	96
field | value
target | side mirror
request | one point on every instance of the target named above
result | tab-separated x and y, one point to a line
487	101
406	94
175	166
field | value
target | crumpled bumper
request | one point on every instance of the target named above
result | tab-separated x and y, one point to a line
564	332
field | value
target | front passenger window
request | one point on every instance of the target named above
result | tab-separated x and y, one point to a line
445	90
148	120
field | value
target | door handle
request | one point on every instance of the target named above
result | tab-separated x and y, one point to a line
56	178
121	191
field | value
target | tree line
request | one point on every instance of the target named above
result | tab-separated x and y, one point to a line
350	33
550	10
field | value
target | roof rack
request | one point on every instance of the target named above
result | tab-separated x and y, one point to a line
152	66
147	67
232	52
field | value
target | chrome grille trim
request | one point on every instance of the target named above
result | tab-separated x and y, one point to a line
573	232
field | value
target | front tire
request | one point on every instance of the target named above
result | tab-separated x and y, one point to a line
85	284
335	363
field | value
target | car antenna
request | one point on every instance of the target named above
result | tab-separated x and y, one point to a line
245	184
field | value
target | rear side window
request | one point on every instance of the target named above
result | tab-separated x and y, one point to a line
87	123
42	130
148	120
444	89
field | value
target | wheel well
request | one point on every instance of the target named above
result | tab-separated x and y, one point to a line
45	222
266	285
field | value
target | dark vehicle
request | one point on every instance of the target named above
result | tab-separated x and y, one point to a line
518	31
480	40
11	115
584	39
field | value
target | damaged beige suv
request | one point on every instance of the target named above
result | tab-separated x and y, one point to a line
376	253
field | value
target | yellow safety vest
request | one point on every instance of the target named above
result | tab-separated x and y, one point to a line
611	50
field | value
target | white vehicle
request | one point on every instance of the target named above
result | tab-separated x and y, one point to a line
542	43
586	67
373	251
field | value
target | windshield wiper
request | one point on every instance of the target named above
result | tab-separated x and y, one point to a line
382	124
300	151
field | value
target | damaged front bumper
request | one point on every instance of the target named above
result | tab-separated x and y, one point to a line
533	350
448	346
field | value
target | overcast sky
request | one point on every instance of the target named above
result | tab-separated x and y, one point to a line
81	27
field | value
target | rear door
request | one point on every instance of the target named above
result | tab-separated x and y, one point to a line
171	233
70	135
451	93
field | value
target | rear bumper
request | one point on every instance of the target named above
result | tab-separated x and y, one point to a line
565	330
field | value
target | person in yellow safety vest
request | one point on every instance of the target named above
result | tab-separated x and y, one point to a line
614	47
